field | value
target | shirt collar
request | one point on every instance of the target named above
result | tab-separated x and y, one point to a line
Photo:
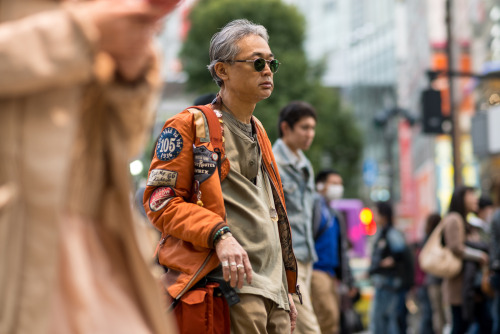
290	158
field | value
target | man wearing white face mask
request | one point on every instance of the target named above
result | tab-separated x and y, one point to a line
331	272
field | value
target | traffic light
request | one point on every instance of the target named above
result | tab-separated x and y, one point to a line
432	116
366	218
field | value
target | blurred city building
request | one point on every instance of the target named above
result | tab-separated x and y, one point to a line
365	47
378	52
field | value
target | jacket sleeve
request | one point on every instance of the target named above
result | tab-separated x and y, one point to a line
345	270
46	50
168	205
454	234
132	105
495	241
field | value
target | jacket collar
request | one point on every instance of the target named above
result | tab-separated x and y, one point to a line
285	156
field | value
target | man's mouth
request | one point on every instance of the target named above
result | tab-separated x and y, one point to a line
267	84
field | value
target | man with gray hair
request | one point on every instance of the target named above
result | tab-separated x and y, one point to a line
222	213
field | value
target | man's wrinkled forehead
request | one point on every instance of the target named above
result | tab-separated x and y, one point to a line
254	46
265	55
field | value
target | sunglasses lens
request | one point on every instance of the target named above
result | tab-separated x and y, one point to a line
259	64
274	64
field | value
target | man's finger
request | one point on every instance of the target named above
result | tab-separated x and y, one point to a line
293	314
248	269
163	7
233	270
241	274
225	270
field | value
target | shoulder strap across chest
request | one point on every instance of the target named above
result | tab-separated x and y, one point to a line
209	128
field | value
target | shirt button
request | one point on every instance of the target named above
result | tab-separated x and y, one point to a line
252	162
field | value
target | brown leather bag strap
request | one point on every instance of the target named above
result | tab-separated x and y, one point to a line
215	128
213	125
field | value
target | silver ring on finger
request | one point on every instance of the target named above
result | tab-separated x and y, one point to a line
232	264
225	264
240	266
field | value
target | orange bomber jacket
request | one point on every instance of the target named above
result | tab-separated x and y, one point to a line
184	172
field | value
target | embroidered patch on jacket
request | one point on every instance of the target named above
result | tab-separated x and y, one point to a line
162	177
160	197
169	144
205	163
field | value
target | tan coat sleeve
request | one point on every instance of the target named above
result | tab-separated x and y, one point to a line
45	51
132	106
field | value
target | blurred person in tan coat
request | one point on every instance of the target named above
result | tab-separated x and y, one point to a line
77	83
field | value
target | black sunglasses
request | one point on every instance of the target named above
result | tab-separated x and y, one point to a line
260	63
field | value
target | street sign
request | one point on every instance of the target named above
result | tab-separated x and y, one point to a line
370	172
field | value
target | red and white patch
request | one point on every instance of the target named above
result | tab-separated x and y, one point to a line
214	156
160	197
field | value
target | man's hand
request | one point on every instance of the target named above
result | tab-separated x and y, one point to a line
293	314
353	292
485	259
387	262
126	30
235	262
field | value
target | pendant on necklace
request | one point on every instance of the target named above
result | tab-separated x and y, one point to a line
273	214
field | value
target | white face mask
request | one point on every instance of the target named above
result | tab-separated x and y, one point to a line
334	191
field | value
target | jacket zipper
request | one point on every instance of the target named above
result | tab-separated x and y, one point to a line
188	286
160	244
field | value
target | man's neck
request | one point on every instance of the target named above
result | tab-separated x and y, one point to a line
293	149
241	110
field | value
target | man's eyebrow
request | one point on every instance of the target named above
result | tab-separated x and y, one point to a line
260	54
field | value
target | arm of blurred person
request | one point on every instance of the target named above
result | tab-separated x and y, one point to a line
345	267
387	262
495	244
58	47
454	237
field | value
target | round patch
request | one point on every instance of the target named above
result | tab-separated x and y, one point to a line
160	197
169	144
214	156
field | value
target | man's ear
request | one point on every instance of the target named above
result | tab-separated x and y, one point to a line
285	128
221	70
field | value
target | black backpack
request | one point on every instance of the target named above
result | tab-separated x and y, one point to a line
405	263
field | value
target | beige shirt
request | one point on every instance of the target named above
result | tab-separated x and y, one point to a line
248	200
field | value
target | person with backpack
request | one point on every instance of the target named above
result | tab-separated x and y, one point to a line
215	193
392	274
332	272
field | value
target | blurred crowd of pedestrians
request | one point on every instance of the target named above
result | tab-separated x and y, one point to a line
468	301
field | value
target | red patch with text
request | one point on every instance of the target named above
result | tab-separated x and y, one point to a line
160	197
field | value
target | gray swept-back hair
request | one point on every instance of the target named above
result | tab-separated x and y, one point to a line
223	44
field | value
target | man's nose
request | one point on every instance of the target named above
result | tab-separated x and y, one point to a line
267	70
